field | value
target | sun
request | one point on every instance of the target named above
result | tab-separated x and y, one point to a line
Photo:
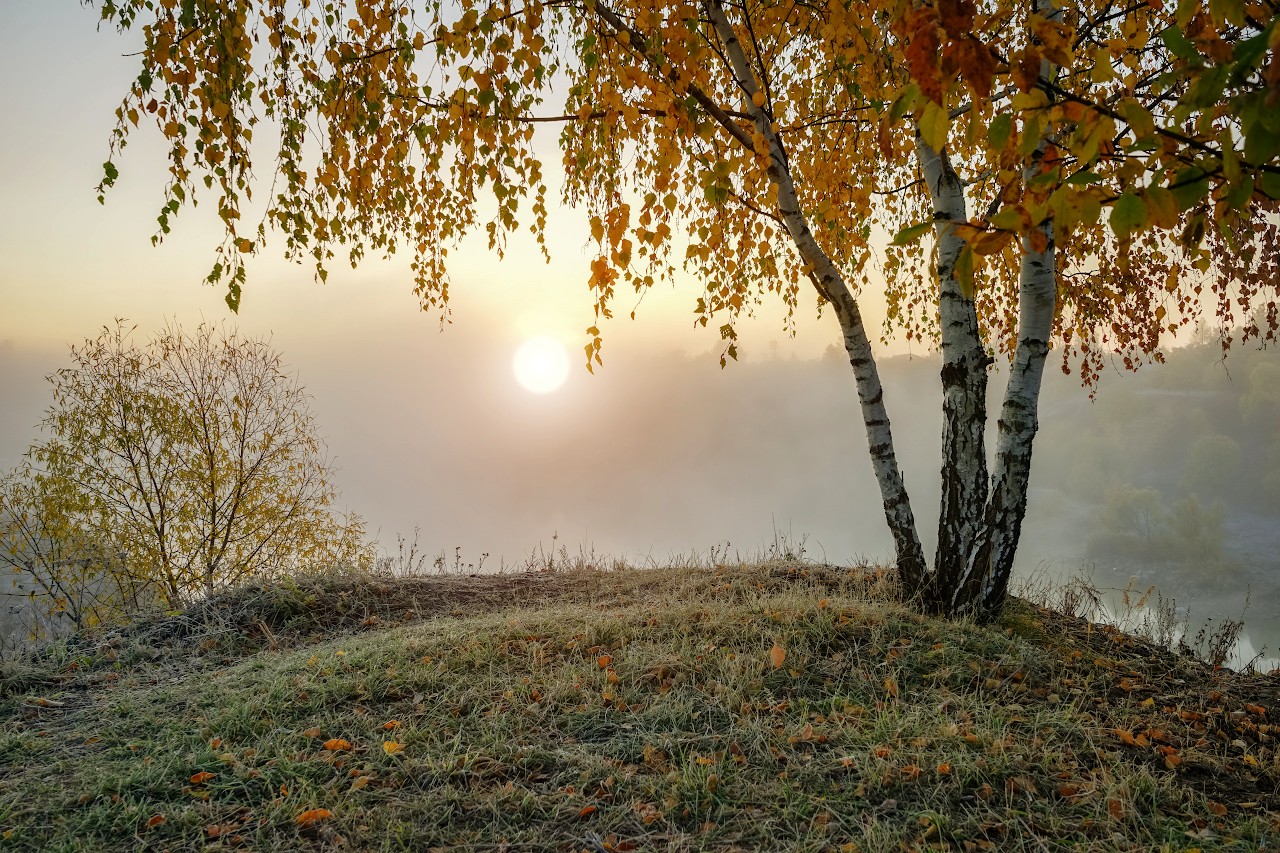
541	365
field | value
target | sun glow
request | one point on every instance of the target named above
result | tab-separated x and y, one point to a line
541	365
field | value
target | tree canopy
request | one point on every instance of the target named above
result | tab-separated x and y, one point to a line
171	470
1094	176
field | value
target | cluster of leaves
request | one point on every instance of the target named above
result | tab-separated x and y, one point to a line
1146	148
755	707
408	125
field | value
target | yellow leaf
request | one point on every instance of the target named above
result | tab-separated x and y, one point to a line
391	747
933	126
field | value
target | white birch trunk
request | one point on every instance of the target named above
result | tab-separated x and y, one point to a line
1019	421
964	393
830	283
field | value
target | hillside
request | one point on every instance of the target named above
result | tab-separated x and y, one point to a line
770	706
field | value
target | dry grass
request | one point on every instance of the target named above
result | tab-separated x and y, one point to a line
769	706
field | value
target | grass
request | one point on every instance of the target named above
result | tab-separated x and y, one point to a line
770	706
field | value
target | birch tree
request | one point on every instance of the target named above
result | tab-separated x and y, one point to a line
1078	177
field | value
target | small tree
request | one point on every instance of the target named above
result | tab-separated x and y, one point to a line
193	461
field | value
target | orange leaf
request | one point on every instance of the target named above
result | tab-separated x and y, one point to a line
777	655
202	777
359	782
337	744
882	751
891	687
587	810
155	820
311	733
1116	809
944	769
390	724
1126	737
391	747
215	743
603	661
1217	808
310	816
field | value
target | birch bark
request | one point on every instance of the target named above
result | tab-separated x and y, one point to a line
964	393
1019	418
830	283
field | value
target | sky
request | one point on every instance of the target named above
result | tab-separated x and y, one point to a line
660	453
359	344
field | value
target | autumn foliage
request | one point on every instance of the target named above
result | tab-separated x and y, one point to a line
1093	179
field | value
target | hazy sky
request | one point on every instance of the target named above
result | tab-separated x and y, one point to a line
381	372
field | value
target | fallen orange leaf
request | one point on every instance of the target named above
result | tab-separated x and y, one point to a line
155	820
215	743
312	815
777	655
311	733
603	661
891	687
337	744
202	777
390	724
587	810
391	747
944	768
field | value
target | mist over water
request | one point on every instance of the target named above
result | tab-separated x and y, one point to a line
1163	480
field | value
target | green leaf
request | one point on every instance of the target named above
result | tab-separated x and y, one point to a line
1249	51
904	103
1179	45
110	173
1269	184
1207	90
1000	130
1188	187
1128	215
910	235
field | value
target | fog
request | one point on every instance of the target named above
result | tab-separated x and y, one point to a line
1170	477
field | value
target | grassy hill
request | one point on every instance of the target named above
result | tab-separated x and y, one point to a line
756	707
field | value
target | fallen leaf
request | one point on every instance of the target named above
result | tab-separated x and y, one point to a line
603	661
587	810
777	655
310	816
390	724
891	687
391	747
311	733
155	820
202	777
337	744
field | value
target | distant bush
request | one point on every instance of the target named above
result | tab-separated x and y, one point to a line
170	470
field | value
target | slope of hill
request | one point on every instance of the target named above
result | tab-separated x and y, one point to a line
769	706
